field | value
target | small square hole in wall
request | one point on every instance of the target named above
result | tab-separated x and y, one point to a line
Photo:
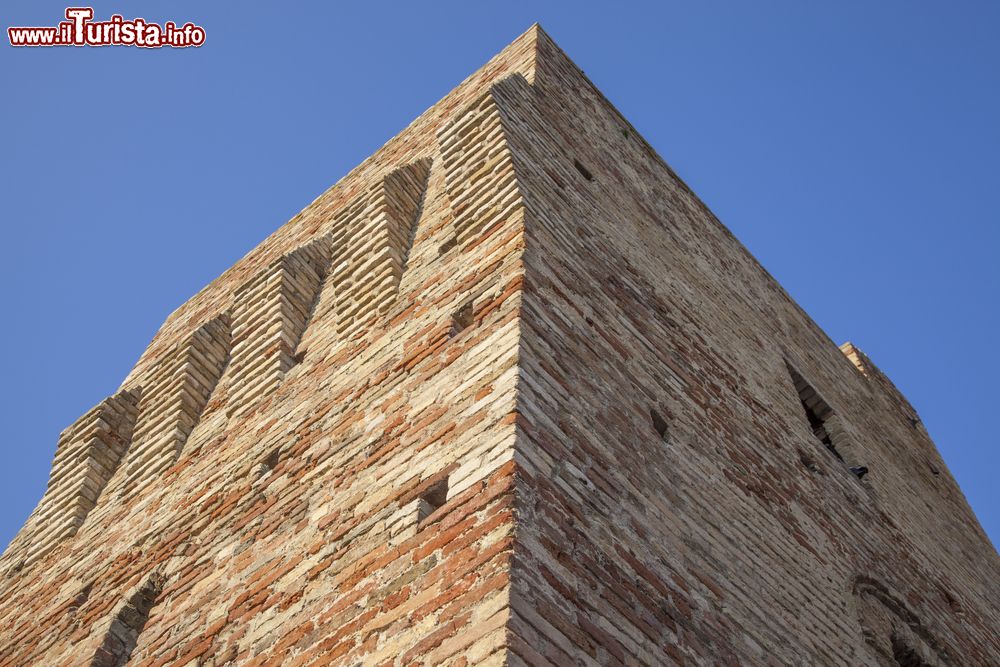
447	245
808	462
300	356
659	423
461	319
272	459
268	464
81	598
953	604
583	170
904	654
431	499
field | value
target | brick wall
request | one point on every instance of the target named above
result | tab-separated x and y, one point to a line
321	470
505	394
735	536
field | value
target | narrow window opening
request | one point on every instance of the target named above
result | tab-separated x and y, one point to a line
583	170
817	412
818	426
432	499
659	423
461	319
123	635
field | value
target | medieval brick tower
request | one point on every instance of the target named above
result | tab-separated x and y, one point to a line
508	393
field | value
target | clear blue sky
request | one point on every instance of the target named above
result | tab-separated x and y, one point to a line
853	147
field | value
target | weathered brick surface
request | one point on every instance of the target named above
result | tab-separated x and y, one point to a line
737	537
505	394
87	455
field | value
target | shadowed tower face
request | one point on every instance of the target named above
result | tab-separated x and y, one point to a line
507	393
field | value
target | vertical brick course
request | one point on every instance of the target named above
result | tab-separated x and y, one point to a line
372	241
175	395
269	316
86	457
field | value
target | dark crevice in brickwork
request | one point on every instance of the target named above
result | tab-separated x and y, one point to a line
659	423
447	245
826	427
272	460
809	462
904	654
81	598
462	318
432	499
16	568
818	426
950	600
123	634
859	471
583	170
269	463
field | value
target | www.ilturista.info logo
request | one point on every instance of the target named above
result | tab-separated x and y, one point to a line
80	30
